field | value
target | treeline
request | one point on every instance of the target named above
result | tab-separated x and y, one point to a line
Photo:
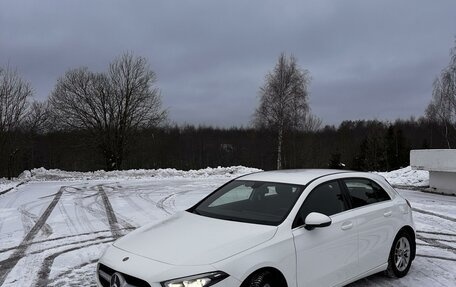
358	145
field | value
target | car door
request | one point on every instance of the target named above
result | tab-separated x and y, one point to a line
373	209
329	255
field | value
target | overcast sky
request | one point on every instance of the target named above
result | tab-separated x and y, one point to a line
367	59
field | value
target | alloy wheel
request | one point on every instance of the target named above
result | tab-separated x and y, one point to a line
402	254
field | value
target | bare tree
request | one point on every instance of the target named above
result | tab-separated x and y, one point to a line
14	95
284	100
37	120
442	108
112	105
311	123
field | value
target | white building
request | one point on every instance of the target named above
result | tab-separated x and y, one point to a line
441	164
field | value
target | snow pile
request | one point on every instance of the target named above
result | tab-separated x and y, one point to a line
42	174
407	177
401	177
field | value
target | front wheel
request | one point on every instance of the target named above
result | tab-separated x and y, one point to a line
400	258
263	279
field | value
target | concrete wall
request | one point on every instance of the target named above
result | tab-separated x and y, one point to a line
433	159
441	164
444	182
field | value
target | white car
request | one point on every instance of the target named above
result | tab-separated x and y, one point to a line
287	228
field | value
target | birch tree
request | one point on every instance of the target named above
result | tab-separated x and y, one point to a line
442	107
284	100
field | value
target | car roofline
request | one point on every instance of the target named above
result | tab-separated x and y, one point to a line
307	183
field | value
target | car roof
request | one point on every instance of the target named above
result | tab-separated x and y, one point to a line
292	176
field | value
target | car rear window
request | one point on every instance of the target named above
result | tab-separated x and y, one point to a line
364	192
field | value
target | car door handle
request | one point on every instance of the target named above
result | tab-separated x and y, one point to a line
347	225
387	214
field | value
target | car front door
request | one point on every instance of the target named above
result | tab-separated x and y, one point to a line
326	256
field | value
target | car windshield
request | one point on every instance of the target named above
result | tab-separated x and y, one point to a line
250	201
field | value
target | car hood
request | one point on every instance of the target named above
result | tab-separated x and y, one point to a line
190	239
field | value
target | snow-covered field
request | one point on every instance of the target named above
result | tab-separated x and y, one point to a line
52	232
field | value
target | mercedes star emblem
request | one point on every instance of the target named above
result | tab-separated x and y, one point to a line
117	280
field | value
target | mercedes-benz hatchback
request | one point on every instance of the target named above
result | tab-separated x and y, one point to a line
297	228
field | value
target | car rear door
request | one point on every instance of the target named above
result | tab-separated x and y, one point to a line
329	255
373	209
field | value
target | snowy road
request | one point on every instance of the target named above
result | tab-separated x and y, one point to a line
51	233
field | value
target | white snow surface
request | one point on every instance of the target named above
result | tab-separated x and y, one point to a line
407	177
42	174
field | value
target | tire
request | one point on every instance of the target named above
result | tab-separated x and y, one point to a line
401	255
262	279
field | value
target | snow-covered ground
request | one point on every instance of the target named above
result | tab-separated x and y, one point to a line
7	185
52	232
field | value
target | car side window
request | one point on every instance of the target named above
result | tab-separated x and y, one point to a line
327	198
364	191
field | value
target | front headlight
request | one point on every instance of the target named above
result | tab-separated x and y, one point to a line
200	280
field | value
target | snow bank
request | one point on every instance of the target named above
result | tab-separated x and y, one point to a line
42	174
401	177
407	177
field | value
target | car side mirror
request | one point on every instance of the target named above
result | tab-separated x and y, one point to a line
316	219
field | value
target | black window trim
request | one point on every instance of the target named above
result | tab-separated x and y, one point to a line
362	178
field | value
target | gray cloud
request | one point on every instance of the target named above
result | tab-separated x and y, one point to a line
368	59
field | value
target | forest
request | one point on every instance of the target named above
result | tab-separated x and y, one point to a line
356	145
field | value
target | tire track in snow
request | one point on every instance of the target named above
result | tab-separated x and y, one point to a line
50	248
81	213
29	220
66	237
435	243
434	214
123	222
113	221
68	272
161	204
136	206
67	218
436	233
45	270
12	188
7	265
98	209
9	204
436	257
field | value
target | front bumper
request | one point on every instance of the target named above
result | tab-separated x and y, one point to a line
139	271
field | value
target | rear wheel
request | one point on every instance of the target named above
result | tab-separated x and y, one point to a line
400	258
